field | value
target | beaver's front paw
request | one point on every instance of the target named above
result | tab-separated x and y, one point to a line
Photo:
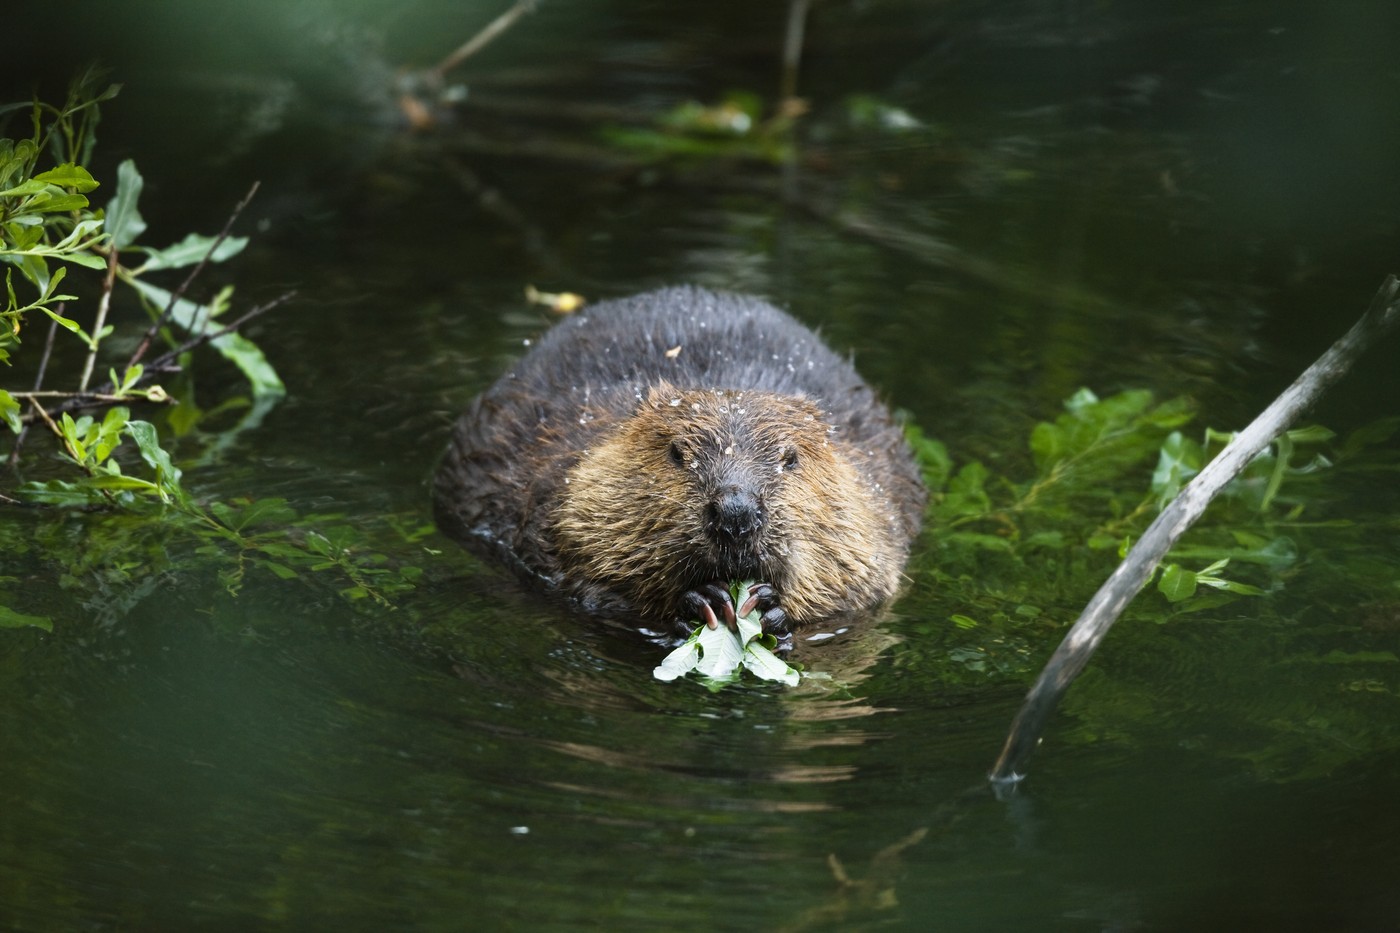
712	602
709	603
764	598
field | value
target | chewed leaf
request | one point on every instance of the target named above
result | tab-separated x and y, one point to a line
679	662
721	652
759	660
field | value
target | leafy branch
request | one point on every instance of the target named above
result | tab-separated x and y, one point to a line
48	227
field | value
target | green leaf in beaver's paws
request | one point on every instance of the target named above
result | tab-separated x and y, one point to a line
717	654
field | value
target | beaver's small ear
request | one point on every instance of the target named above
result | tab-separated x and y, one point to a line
805	405
661	395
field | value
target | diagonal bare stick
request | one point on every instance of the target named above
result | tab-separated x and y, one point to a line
479	41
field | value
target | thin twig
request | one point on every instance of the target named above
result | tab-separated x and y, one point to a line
38	381
179	293
1113	597
165	359
48	348
103	303
96	396
479	41
166	362
52	427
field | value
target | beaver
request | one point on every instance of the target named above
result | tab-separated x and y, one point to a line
650	449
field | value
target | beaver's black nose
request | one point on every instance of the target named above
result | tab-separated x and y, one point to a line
735	513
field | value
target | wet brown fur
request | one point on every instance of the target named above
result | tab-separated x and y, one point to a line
589	467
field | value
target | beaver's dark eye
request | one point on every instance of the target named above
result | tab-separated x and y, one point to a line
789	459
675	454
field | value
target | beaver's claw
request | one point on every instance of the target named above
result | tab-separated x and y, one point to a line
712	602
764	598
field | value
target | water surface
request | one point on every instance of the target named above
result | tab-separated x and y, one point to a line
1108	197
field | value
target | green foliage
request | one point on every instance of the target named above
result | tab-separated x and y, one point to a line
130	498
228	537
733	128
47	224
1021	557
1299	533
45	215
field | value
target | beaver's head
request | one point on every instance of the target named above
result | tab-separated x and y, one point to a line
703	485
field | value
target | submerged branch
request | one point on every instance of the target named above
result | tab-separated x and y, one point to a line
1113	597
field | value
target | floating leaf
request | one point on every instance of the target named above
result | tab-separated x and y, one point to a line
271	511
680	661
764	663
721	652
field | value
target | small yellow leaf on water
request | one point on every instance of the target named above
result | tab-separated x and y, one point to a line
558	302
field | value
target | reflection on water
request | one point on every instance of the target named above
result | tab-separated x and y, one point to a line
1105	196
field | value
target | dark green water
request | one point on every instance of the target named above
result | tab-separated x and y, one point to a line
1104	195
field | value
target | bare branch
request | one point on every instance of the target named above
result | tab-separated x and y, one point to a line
792	46
479	41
